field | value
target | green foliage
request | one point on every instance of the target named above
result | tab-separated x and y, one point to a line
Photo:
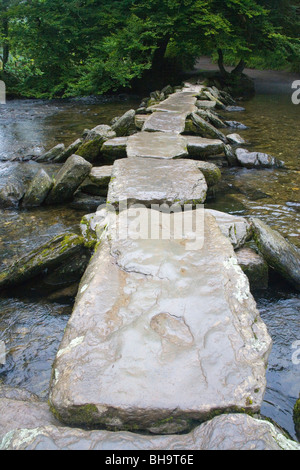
83	47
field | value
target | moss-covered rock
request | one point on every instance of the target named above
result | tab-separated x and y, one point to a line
297	417
195	124
211	173
125	125
91	147
38	190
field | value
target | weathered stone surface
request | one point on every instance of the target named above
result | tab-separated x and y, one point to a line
211	172
86	202
181	103
230	155
63	157
163	331
125	124
257	159
152	181
236	228
226	432
200	147
236	125
165	122
197	125
255	268
280	254
51	154
206	104
38	190
139	120
157	145
68	179
115	148
235	139
11	193
49	255
211	117
19	410
214	99
101	175
90	150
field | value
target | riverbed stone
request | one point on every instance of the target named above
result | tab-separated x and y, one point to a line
157	145
163	330
211	172
236	125
152	181
195	124
257	159
90	150
68	179
11	193
51	154
199	147
226	432
47	256
280	254
115	148
63	157
237	229
235	139
125	125
38	190
255	268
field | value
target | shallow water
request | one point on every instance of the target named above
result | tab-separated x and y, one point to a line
32	329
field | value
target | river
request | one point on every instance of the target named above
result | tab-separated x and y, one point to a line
32	327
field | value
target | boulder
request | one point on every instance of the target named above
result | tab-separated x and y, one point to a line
52	154
255	268
257	160
280	254
237	229
115	148
38	190
235	139
230	155
215	99
211	117
226	432
48	256
68	180
164	330
199	147
125	125
151	181
63	157
11	193
90	150
197	125
211	172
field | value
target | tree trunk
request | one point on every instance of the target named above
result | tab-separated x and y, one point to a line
239	68
159	54
221	63
5	45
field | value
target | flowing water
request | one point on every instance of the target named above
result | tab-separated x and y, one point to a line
32	328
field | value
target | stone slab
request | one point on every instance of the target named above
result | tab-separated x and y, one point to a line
157	145
201	147
237	229
151	181
163	332
181	102
165	122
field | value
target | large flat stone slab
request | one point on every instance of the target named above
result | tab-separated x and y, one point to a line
166	122
201	147
151	181
157	145
226	432
181	102
164	331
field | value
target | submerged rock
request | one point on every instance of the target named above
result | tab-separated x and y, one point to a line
280	254
235	139
48	256
257	160
236	125
38	190
255	268
68	180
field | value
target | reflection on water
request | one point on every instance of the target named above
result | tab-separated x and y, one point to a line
33	329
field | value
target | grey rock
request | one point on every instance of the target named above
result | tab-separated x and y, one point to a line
255	268
101	176
68	179
199	147
226	432
157	145
206	104
235	109
164	121
235	139
45	257
197	125
257	160
11	193
215	99
280	254
125	124
86	202
140	120
211	172
236	125
115	148
163	330
212	117
237	229
90	150
230	155
38	190
63	157
51	154
152	181
182	102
